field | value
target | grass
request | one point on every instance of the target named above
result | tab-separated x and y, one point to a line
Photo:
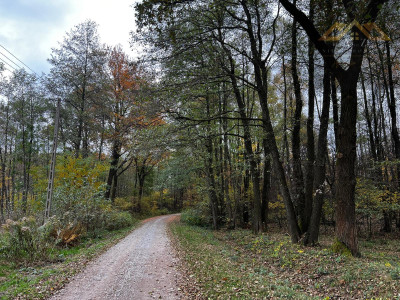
239	265
38	280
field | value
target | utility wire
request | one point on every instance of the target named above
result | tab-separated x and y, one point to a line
8	64
10	60
18	59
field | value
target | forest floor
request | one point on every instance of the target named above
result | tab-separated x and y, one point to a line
224	264
235	264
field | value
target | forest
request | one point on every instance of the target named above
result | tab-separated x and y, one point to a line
261	116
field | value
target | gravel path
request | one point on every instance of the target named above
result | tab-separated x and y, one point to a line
141	266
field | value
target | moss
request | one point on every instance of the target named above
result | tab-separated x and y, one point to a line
340	248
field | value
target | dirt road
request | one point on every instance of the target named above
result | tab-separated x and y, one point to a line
141	266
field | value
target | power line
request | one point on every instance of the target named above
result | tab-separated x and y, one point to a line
8	64
10	60
18	59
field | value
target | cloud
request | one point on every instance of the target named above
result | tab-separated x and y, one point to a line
30	28
115	18
27	28
37	10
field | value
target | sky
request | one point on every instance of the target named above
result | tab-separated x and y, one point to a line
30	28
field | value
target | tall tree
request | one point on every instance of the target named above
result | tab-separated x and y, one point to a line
124	85
77	77
25	104
298	179
346	232
309	170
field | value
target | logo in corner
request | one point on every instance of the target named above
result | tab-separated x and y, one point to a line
338	30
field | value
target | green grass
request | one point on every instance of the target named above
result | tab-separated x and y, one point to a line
239	265
38	280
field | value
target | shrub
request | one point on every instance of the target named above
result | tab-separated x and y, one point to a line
146	206
118	220
123	204
85	205
23	240
78	193
50	230
194	216
163	211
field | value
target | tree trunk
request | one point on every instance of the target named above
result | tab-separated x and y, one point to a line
335	108
265	196
312	235
387	221
102	134
78	139
368	119
379	154
346	230
245	200
3	158
285	155
392	109
112	173
297	175
12	176
309	178
210	172
142	177
226	160
85	141
114	188
211	184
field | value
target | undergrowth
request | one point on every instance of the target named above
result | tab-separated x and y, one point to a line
39	278
239	265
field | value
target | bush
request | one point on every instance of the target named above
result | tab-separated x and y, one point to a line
85	205
163	211
119	220
78	193
194	216
150	207
50	229
23	240
125	204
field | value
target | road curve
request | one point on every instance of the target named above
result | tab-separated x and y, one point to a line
141	266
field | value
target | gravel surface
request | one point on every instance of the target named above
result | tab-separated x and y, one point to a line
141	266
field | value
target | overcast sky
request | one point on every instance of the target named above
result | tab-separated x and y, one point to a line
30	28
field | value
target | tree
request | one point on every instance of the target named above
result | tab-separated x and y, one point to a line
216	34
124	84
348	79
25	107
77	77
